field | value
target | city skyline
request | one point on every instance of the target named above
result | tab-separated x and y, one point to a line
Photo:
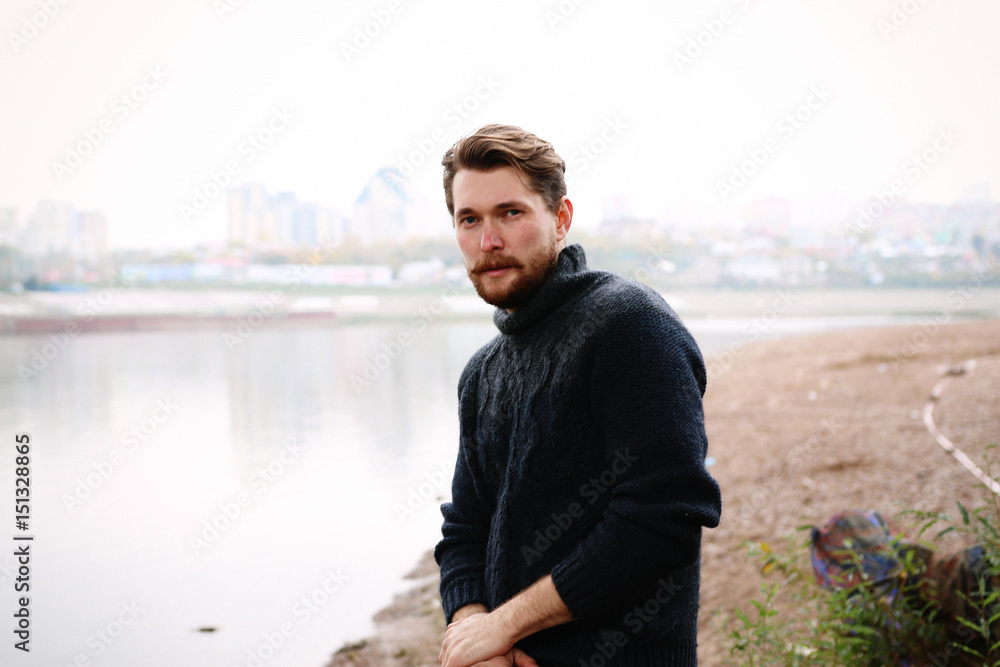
673	108
259	217
886	240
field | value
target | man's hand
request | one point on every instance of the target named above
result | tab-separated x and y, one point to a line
516	658
479	639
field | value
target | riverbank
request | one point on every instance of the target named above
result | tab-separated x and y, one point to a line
800	427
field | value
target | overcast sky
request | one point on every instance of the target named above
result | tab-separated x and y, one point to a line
671	98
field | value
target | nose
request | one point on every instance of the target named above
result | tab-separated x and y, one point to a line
490	240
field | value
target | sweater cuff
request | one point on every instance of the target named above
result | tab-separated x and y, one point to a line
461	593
576	586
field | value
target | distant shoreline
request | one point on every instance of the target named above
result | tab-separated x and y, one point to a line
158	309
132	309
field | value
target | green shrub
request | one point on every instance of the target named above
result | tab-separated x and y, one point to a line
796	623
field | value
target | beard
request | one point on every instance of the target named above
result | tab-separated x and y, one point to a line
528	279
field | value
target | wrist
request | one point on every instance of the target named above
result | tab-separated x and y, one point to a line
469	610
508	621
532	610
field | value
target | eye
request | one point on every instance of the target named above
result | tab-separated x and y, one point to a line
510	213
467	220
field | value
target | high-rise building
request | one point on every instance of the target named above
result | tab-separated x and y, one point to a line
58	242
257	219
11	268
247	204
49	230
9	233
90	238
387	210
57	229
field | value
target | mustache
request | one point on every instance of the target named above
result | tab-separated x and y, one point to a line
495	262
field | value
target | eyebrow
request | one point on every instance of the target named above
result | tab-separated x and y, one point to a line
504	205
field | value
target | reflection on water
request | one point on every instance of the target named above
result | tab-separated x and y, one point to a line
179	484
248	490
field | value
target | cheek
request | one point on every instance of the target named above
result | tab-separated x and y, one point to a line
537	239
525	237
466	244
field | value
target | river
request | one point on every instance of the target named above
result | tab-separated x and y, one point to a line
207	504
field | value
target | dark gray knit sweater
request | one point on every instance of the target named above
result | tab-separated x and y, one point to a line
582	456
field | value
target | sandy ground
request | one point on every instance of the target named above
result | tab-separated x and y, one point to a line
800	428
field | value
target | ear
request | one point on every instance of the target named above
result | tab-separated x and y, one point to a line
564	218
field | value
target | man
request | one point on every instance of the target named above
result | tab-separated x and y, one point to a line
580	491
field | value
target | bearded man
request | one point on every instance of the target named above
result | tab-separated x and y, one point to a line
580	491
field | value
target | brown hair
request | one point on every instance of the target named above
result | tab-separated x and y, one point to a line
493	146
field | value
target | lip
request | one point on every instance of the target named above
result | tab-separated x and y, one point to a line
496	272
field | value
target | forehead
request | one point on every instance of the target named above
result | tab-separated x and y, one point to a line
477	189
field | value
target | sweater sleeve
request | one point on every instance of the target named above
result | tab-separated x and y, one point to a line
646	391
461	553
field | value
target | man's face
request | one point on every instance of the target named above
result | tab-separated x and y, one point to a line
509	238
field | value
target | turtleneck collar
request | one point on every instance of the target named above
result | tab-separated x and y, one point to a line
568	277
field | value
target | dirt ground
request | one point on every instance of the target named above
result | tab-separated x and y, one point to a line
800	428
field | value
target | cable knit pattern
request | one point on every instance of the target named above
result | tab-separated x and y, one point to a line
582	455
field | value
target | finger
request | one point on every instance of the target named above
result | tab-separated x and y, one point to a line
522	659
